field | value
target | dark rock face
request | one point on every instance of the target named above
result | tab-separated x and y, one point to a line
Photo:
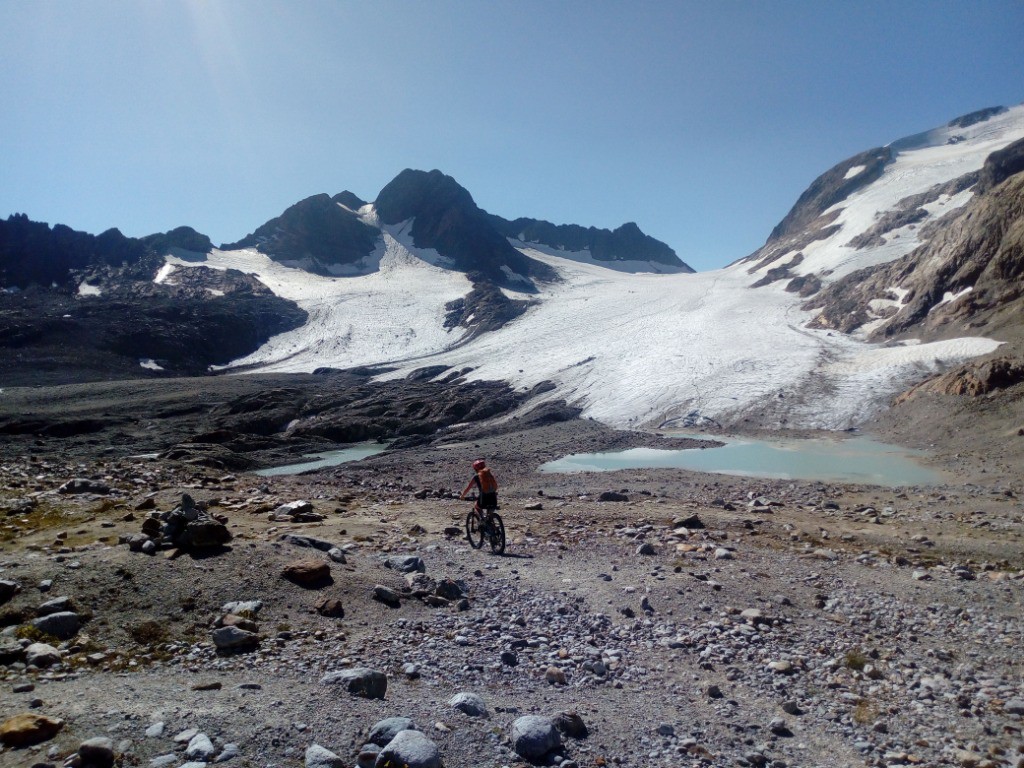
448	220
483	309
317	232
830	188
185	238
1001	165
980	246
627	242
33	254
972	118
972	379
349	200
48	336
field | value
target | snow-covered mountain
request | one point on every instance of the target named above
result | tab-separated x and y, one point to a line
422	282
655	349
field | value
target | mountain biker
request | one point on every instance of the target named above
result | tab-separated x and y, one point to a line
487	489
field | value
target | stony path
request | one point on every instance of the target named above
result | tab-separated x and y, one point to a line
801	626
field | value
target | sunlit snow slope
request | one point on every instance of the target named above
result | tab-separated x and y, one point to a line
919	164
649	349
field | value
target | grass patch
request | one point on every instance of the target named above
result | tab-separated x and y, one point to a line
856	660
35	635
149	633
865	713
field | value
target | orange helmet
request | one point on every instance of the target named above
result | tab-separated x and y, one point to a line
479	464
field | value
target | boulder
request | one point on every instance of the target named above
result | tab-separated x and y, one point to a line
384	731
470	704
241	622
63	625
307	573
204	532
84	485
42	655
240	607
97	752
299	540
331	607
359	681
449	590
410	749
386	595
406	564
28	728
321	757
293	508
234	639
200	747
692	523
11	652
533	736
8	589
570	724
613	496
57	605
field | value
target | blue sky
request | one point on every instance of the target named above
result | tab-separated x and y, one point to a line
700	121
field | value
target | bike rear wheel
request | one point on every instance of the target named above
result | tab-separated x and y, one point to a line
474	529
496	534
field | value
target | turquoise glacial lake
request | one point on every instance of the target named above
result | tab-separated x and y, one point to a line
326	459
846	460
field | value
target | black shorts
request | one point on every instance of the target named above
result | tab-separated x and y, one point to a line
489	500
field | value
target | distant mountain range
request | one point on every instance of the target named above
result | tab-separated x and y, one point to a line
884	271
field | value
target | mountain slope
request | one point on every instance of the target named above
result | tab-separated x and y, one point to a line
623	246
679	349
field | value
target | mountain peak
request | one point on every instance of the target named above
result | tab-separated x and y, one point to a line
446	218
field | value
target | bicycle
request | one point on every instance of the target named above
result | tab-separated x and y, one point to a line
490	527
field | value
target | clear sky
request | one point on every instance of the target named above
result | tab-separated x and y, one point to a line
701	121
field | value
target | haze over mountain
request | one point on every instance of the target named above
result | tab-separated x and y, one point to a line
886	244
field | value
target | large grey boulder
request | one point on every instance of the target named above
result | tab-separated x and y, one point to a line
406	563
359	681
8	589
299	540
205	532
97	751
232	638
63	625
534	736
470	704
42	655
410	749
321	757
385	730
56	605
239	607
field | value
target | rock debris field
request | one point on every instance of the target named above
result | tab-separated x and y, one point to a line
160	614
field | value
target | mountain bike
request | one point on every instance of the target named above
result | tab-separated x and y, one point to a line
488	527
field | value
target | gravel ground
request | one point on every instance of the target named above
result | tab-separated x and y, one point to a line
805	624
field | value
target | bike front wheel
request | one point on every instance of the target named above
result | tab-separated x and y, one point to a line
474	529
496	534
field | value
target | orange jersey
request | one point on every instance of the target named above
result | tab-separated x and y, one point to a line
487	482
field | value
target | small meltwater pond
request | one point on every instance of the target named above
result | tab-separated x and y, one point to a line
326	459
851	460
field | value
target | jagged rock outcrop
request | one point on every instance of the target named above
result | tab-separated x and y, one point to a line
446	218
317	234
966	276
184	238
626	243
973	379
807	220
483	309
33	254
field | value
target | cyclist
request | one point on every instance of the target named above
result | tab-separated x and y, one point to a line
487	489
